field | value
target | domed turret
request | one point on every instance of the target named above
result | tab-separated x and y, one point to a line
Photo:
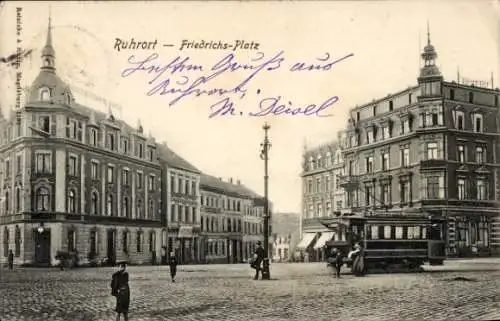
429	70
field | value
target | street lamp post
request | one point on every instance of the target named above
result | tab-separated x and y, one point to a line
266	145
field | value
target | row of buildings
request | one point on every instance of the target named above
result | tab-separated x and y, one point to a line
73	179
433	147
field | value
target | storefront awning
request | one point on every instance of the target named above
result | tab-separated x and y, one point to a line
325	237
307	238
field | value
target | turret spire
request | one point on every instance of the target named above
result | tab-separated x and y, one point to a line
429	56
428	34
48	53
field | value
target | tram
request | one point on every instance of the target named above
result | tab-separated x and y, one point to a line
388	242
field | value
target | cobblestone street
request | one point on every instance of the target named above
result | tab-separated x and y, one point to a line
306	291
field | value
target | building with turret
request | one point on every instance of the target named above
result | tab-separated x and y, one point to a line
429	148
73	179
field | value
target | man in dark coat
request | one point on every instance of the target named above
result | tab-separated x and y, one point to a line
258	258
337	261
121	290
11	260
172	263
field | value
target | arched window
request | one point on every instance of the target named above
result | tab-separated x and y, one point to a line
71	201
139	209
229	225
42	199
125	208
7	207
44	94
94	203
18	199
5	241
109	205
68	99
17	240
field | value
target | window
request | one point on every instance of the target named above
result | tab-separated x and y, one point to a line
44	123
172	213
432	151
374	110
125	145
374	232
109	205
433	187
139	240
480	154
71	241
152	241
139	180
18	200
5	241
42	199
193	215
369	164
452	94
180	186
111	172
351	168
94	203
319	210
405	126
19	164
385	161
45	94
72	166
471	97
151	182
328	208
151	209
478	122
93	242
17	242
93	137
387	232
459	120
461	154
311	210
151	154
405	157
126	177
409	98
140	151
398	231
140	211
369	136
7	201
193	188
318	184
125	207
71	201
7	168
386	132
328	183
369	195
386	196
43	164
405	192
125	241
461	189
391	105
110	141
434	119
481	189
94	169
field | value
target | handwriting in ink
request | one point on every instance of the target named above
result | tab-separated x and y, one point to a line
273	106
324	65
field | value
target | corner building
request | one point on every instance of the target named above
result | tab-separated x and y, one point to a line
322	196
74	179
431	148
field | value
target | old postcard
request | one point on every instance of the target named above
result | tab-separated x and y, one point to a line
249	160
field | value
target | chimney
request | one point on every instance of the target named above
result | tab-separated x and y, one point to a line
231	180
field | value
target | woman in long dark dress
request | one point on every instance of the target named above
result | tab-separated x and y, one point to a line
121	290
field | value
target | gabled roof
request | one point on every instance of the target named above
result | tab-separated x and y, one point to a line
218	184
172	159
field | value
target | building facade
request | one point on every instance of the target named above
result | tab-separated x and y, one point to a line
322	196
430	148
232	220
75	180
181	207
286	235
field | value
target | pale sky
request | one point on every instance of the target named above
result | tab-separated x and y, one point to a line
385	37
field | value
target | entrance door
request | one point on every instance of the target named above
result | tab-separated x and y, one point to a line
235	251
42	247
111	249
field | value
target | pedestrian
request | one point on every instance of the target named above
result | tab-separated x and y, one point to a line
172	263
258	258
11	260
121	290
338	261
